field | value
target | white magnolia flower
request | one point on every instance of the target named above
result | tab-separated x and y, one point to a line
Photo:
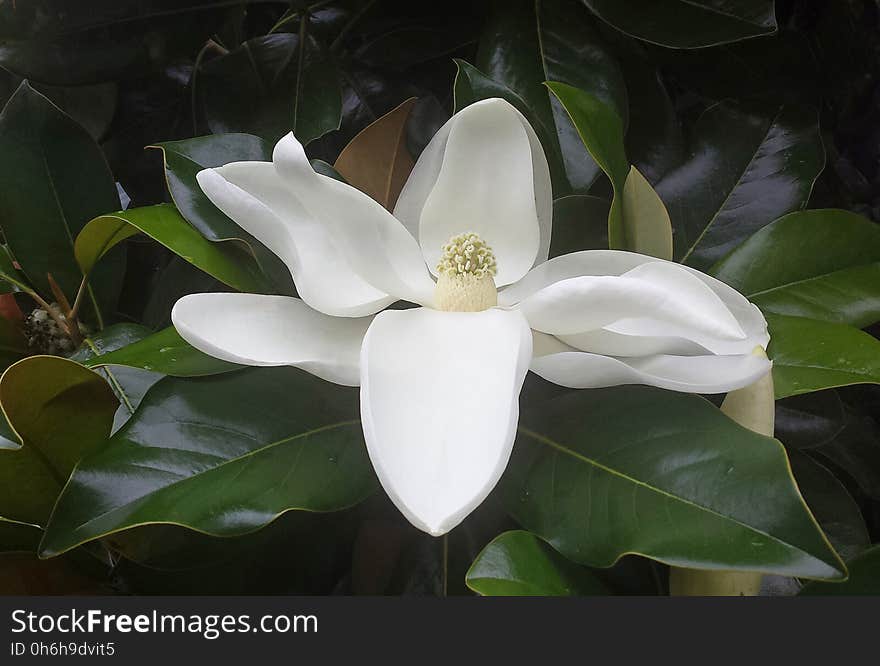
468	242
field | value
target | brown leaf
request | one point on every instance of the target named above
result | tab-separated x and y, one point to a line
377	161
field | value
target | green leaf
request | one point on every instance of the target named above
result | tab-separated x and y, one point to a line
272	85
580	222
55	180
164	352
688	24
526	43
748	166
856	449
518	563
164	224
809	420
599	474
864	578
184	159
59	411
831	504
820	264
601	131
222	455
646	224
810	355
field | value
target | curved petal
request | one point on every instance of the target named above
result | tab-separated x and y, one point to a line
484	171
253	195
689	374
440	405
640	331
654	292
253	329
373	242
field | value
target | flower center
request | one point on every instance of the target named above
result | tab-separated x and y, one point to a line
465	275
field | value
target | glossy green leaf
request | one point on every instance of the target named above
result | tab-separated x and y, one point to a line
526	43
599	474
518	563
856	449
864	578
164	224
810	355
580	222
164	352
654	140
55	180
688	24
273	439
601	131
748	165
59	410
646	224
184	159
820	264
835	510
272	85
810	420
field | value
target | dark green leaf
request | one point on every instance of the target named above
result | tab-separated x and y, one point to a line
273	439
856	449
518	563
864	577
688	24
831	504
810	355
809	420
164	352
748	166
184	159
164	224
599	474
820	264
270	86
55	180
601	131
580	222
525	44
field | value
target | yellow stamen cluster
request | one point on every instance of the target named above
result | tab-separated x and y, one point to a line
465	275
467	254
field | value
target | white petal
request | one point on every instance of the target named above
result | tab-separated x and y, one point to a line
484	171
254	329
619	337
690	374
376	245
253	195
440	405
654	292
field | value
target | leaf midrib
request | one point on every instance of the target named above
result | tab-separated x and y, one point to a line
595	464
253	452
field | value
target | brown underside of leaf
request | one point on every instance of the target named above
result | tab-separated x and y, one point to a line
377	161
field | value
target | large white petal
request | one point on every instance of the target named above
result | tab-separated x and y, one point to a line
253	195
254	329
690	374
440	405
653	292
484	171
376	245
626	335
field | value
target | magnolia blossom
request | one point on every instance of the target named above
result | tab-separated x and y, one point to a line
468	243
